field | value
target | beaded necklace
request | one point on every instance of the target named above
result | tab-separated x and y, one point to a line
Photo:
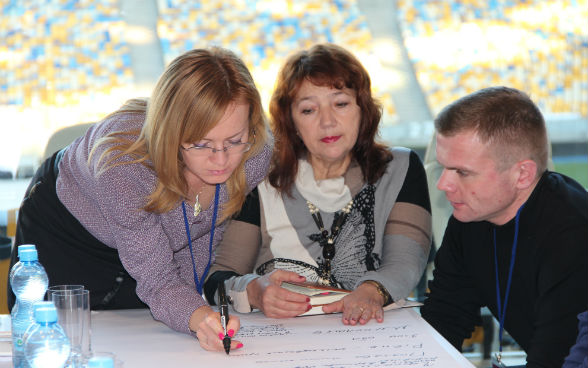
326	240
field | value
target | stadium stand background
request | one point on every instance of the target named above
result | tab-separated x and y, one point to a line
64	62
537	46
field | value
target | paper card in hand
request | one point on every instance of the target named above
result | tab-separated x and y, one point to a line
319	295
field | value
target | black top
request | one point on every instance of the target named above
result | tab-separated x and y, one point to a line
550	279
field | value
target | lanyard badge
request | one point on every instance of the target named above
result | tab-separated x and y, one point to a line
497	358
199	282
497	361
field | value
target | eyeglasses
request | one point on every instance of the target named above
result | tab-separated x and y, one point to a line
232	149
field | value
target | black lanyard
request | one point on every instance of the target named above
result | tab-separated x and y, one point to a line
200	281
502	308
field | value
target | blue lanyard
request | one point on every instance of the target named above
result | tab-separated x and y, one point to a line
200	281
502	308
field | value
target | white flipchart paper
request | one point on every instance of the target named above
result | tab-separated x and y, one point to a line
404	339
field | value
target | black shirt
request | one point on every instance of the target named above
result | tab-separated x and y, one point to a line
549	282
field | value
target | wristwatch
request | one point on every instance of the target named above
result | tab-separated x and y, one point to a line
381	290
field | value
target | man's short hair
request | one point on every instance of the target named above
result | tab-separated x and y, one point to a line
503	117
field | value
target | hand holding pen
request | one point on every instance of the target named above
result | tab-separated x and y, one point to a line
209	329
224	315
232	323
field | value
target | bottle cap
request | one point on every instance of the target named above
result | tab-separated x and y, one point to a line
42	304
28	255
46	314
101	362
24	247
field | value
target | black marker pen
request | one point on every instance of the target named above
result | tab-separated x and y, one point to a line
224	314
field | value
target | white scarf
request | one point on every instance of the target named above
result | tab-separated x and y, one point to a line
329	195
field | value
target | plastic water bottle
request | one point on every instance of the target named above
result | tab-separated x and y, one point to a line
29	283
18	264
36	306
46	344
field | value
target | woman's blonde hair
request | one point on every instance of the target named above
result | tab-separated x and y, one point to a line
189	99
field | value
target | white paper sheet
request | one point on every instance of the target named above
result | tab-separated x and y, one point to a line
402	340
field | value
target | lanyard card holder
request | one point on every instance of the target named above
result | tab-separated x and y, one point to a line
497	362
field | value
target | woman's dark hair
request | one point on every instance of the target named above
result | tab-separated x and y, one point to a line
323	65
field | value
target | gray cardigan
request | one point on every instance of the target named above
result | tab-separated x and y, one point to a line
391	229
152	247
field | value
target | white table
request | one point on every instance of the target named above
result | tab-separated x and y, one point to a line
140	341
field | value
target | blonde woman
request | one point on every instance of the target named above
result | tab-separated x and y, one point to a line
134	209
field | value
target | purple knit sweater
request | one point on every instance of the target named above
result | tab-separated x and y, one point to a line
152	247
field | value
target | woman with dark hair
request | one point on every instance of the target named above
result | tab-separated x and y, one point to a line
337	208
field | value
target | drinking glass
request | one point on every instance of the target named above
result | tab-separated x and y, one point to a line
73	311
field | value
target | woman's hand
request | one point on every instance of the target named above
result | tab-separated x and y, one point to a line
209	331
361	305
266	294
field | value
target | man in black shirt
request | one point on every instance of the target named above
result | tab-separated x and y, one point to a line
517	241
